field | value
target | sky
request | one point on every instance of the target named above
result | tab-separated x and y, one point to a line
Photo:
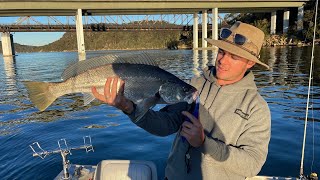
31	38
43	38
36	38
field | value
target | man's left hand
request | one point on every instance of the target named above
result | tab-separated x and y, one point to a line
192	131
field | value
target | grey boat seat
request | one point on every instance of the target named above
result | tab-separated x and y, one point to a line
125	170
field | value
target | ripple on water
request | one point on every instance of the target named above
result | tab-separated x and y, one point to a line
7	107
101	126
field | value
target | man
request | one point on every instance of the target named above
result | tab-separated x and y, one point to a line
230	138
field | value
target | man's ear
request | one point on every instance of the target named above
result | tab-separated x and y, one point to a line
250	64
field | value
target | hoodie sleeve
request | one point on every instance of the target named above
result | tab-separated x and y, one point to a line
161	123
248	157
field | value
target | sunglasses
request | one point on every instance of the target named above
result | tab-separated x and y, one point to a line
238	39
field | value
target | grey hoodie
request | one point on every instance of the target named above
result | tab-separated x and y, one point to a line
236	121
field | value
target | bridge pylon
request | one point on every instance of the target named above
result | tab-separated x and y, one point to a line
7	44
80	36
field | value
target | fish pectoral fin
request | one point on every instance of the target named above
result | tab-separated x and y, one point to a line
87	98
149	102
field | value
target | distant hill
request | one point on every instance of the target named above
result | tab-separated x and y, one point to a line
114	40
21	48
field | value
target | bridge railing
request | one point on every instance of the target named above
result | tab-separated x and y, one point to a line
181	22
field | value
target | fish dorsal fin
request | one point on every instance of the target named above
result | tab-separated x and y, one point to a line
122	57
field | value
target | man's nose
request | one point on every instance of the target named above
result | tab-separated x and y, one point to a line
224	59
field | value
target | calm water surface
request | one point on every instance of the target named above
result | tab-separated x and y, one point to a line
284	87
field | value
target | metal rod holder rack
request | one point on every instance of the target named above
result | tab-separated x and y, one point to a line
64	150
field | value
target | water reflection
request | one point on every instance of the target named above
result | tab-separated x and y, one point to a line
214	56
271	62
204	59
288	65
10	73
282	66
295	77
195	61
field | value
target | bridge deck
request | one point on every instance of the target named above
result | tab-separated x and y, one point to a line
98	7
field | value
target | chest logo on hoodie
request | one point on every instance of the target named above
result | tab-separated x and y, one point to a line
242	114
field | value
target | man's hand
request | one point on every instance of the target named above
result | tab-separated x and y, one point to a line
113	97
193	132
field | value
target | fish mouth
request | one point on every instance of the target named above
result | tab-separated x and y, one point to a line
191	97
195	96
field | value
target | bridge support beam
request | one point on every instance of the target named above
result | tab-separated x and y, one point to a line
286	15
300	18
195	30
80	36
215	23
7	44
273	22
204	28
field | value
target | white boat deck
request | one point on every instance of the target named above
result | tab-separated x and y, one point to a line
113	170
129	170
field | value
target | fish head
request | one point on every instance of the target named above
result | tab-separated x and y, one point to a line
173	92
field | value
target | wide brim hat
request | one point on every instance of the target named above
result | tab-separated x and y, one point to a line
250	49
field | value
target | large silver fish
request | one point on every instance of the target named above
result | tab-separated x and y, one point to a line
143	79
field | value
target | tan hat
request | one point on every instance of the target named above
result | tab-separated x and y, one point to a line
250	49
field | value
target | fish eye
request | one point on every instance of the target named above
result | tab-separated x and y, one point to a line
185	89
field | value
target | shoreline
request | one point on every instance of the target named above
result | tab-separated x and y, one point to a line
270	41
132	49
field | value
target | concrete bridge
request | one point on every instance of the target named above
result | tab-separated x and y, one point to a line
80	8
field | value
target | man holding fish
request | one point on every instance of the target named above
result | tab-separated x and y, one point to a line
229	139
227	133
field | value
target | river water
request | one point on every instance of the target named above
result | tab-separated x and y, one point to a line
284	87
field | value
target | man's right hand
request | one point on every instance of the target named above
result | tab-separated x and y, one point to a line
113	97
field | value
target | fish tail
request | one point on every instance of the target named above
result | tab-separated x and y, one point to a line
39	94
